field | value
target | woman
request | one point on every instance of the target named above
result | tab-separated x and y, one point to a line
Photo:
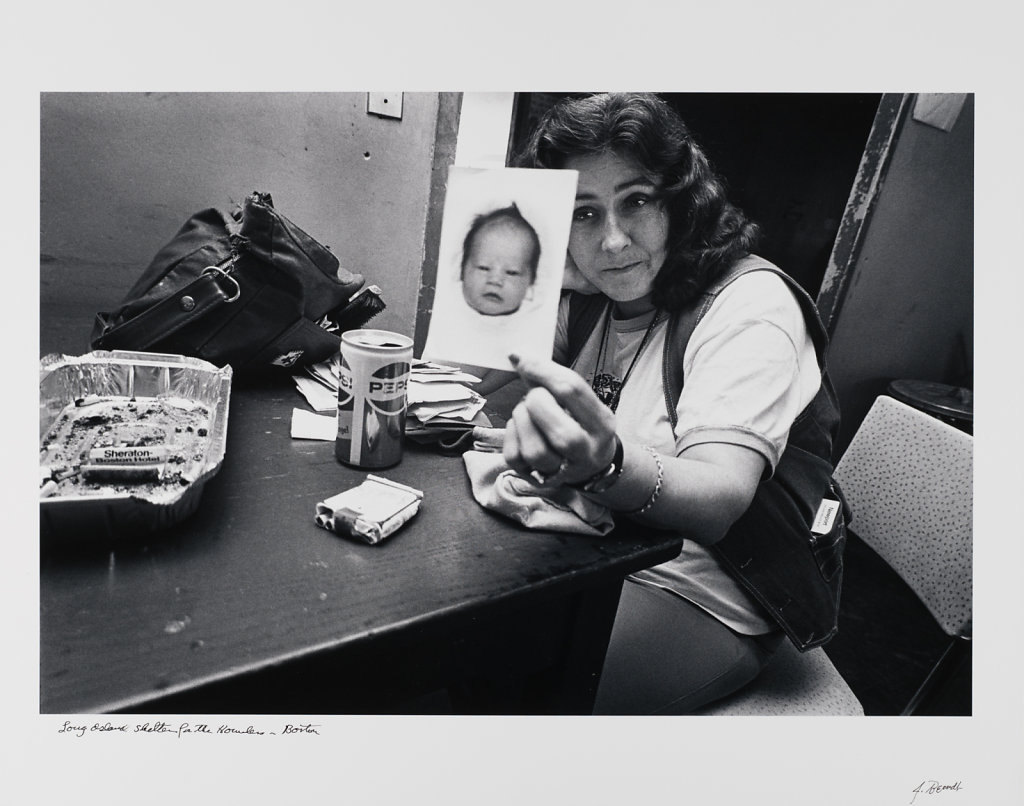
651	230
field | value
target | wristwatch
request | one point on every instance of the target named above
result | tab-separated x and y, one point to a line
604	479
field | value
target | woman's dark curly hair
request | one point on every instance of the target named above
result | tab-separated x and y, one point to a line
706	232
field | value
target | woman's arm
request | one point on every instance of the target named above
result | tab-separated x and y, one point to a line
561	426
704	490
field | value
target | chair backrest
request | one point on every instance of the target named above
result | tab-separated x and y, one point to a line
908	479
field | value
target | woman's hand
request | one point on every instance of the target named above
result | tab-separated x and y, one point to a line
560	429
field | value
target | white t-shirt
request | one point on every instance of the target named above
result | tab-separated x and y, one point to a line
749	369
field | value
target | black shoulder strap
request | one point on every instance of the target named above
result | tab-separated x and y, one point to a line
682	325
584	313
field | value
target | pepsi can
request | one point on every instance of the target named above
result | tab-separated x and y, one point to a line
372	398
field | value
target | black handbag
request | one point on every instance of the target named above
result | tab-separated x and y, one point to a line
249	289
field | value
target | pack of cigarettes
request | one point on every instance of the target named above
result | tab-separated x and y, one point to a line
372	511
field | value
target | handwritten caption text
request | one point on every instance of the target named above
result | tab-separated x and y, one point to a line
181	729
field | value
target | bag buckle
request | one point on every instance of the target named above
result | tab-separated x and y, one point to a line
217	270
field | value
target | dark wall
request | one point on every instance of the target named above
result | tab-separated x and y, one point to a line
908	311
790	160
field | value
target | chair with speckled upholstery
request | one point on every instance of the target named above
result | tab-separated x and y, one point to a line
908	478
793	683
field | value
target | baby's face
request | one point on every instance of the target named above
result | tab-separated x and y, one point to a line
496	272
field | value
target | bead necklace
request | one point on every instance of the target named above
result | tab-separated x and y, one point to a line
605	385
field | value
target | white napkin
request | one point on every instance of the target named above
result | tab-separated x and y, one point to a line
551	507
307	425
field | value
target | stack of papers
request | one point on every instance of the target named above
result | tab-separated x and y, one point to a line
438	395
439	400
319	384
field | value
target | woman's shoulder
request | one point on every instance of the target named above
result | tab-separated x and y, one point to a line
763	289
758	314
757	298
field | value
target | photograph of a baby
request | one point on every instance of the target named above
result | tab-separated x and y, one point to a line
504	236
499	262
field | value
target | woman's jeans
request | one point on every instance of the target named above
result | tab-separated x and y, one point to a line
667	656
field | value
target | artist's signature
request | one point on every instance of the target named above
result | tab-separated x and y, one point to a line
181	729
934	788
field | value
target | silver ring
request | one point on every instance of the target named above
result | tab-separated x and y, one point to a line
544	479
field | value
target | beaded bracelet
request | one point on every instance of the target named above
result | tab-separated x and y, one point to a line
657	484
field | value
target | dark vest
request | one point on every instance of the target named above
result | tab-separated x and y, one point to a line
795	574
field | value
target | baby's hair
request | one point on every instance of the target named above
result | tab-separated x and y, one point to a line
512	215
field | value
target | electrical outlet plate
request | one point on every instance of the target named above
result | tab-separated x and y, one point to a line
384	104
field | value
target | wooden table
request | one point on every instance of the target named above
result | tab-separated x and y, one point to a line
249	607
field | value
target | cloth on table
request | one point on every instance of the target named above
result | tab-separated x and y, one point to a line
547	507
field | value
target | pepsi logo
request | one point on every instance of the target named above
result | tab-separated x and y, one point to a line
345	384
387	388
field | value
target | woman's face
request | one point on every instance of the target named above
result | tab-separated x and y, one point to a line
619	230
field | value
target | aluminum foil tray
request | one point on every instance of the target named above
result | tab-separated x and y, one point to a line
63	379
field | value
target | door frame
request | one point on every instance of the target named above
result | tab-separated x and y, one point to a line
867	186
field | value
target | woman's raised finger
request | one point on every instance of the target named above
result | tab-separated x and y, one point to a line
568	390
